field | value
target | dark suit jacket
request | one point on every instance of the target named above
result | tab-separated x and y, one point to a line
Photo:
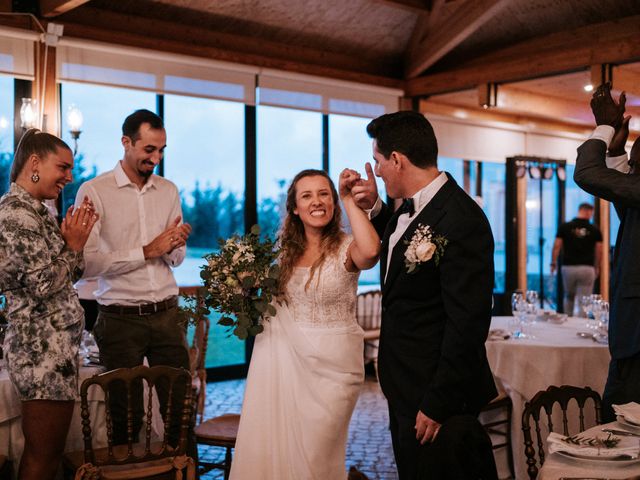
623	190
435	321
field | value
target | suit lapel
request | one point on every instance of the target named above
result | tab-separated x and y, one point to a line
430	215
384	248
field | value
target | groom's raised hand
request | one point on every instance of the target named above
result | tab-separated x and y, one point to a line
365	192
426	429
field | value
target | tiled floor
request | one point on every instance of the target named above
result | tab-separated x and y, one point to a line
369	446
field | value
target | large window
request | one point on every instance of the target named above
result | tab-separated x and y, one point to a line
454	166
99	147
205	159
6	130
574	195
350	147
493	204
288	141
542	221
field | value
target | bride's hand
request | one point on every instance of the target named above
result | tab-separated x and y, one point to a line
348	178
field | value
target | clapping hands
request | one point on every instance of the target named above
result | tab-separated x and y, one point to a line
173	237
77	224
605	109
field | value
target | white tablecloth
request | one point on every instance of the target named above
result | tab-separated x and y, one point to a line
11	437
557	356
557	466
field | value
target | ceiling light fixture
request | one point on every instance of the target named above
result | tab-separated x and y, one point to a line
588	88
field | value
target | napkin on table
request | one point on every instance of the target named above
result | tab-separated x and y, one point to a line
630	411
626	446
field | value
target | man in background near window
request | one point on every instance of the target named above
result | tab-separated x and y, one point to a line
581	246
139	239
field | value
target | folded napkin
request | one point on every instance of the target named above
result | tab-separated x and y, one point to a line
626	446
630	411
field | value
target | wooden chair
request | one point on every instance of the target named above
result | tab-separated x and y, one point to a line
546	400
198	354
501	427
197	357
135	459
369	316
218	432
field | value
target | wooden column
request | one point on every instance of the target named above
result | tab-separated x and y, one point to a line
44	89
603	221
521	202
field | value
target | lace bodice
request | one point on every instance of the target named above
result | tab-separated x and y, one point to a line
330	300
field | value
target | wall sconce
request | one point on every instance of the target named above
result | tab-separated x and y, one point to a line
547	172
562	173
28	113
74	123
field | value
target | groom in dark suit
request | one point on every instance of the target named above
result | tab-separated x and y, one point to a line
592	174
437	277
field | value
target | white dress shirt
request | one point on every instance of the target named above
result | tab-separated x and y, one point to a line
129	219
420	200
605	133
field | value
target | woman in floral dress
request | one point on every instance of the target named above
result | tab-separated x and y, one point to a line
39	261
307	366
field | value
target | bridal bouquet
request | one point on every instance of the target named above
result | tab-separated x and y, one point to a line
240	281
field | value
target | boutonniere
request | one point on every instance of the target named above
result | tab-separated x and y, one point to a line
423	246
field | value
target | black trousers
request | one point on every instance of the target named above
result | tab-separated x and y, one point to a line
623	385
90	313
124	341
461	450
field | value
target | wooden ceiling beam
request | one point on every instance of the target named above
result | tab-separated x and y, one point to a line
112	27
626	80
439	41
217	52
569	51
53	8
514	101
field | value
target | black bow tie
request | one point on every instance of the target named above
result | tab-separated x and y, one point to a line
407	207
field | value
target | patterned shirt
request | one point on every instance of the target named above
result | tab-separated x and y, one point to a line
37	271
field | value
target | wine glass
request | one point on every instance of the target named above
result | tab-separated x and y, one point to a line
519	309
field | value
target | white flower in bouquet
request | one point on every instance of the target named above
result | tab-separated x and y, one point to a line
240	282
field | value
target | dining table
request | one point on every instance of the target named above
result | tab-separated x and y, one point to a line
11	437
558	354
558	466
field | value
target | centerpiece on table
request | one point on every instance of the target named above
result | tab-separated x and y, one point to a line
240	282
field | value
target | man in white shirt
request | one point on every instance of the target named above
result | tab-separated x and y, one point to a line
130	252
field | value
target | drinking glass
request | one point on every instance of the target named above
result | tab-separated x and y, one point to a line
519	308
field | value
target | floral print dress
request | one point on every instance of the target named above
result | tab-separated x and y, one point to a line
37	271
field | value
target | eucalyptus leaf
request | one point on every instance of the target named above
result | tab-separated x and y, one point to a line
226	321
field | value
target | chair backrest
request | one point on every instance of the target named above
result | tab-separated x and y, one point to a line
369	309
176	379
198	354
541	410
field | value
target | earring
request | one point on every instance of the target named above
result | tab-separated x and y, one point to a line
35	178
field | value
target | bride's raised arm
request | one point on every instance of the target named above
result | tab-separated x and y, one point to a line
365	248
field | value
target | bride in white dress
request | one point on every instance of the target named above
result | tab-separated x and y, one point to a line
307	366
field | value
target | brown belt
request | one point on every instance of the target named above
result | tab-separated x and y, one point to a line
142	309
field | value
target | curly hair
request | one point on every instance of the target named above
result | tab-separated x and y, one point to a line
292	240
